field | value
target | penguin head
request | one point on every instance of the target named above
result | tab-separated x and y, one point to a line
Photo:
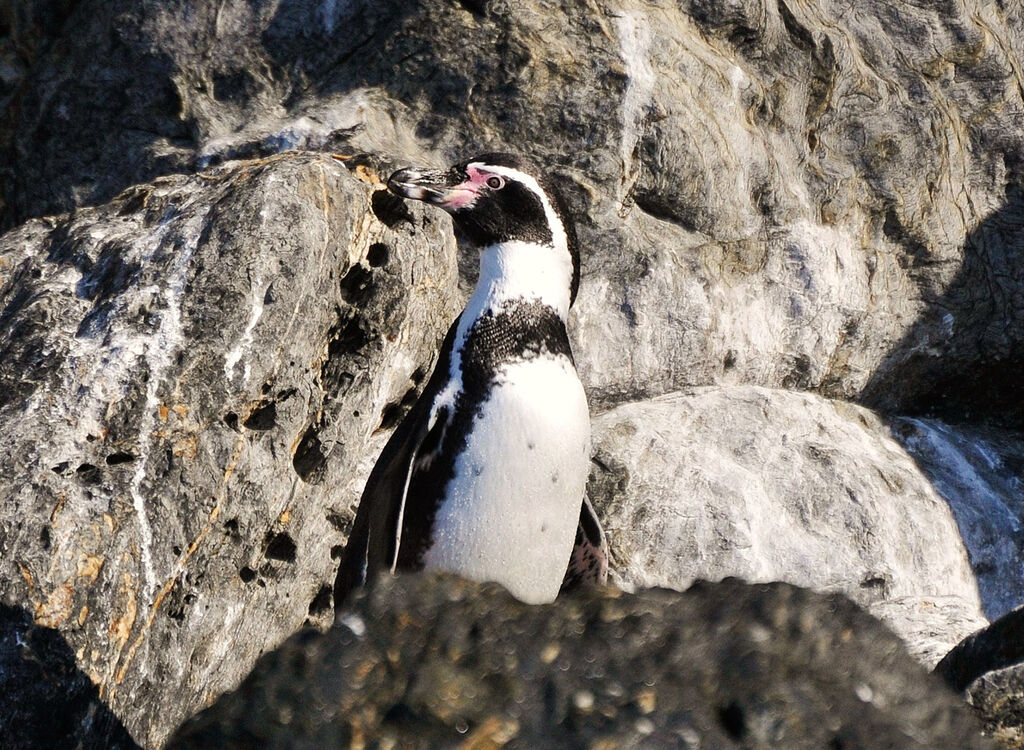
496	198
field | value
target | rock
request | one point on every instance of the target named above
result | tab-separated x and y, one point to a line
774	485
978	470
994	647
998	699
194	380
47	700
771	194
989	667
437	662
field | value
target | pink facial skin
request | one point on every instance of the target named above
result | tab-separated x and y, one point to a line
465	193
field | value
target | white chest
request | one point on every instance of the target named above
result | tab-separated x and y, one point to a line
511	511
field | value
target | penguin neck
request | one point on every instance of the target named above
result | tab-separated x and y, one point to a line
516	270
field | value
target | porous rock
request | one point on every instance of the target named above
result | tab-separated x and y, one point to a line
432	661
193	378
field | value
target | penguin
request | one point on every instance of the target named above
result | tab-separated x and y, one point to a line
486	475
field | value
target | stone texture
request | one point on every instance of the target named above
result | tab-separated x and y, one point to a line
774	485
989	667
978	470
192	378
773	193
437	662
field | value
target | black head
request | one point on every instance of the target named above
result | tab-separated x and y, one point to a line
495	198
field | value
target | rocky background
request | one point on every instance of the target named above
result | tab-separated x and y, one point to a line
801	327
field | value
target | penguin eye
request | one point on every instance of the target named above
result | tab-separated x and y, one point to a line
495	183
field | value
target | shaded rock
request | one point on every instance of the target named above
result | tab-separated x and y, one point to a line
980	473
771	194
47	701
989	667
994	647
193	379
436	661
774	485
998	699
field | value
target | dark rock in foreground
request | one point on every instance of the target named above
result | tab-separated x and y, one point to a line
989	666
437	662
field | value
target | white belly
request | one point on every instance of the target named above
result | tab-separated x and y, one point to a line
511	511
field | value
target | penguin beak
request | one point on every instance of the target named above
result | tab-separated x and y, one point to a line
432	186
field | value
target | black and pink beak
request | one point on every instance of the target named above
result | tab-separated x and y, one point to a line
446	189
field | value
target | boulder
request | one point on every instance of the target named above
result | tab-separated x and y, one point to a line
434	662
194	379
978	471
775	485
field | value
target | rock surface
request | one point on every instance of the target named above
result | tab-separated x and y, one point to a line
436	662
989	666
190	377
773	193
47	701
775	485
197	368
979	471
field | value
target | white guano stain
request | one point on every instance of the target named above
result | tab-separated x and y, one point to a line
634	34
231	358
160	350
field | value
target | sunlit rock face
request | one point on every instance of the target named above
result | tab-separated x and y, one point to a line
192	375
799	322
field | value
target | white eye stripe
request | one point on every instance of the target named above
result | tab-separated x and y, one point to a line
530	183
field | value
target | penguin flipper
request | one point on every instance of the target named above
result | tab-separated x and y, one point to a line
588	563
372	543
376	532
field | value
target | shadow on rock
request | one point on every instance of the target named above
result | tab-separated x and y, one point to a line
955	379
45	700
962	360
988	666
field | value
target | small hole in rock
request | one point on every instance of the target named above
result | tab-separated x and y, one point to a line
378	254
309	460
262	417
322	601
88	473
231	420
732	720
119	458
280	547
357	285
390	415
247	574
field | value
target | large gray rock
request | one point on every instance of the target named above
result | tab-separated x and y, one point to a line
774	485
437	662
771	193
194	379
